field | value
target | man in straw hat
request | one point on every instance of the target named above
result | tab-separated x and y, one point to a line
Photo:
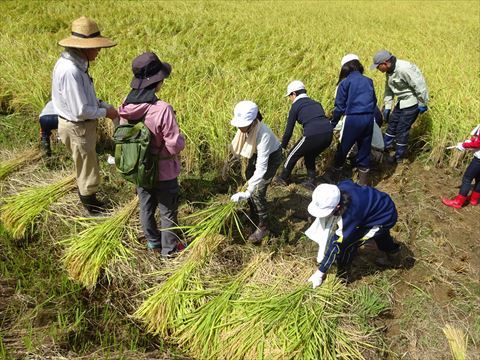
78	107
360	213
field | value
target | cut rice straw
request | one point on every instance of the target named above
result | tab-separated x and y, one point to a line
300	324
457	340
8	166
98	246
19	212
199	332
178	295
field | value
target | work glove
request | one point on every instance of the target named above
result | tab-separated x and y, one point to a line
240	196
460	147
422	109
386	114
316	279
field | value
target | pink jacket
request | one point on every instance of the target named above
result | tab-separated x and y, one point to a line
167	140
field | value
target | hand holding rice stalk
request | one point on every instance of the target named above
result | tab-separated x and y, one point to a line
8	166
98	246
20	211
199	332
299	324
172	300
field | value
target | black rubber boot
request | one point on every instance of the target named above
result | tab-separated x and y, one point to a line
45	144
92	204
259	234
363	178
309	184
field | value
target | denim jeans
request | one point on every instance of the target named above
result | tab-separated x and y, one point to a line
472	173
398	129
47	124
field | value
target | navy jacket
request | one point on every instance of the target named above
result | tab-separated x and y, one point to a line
368	207
311	115
355	95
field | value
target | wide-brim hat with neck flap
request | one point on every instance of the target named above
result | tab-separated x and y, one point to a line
148	69
86	35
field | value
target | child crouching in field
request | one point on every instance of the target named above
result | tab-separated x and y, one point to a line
472	173
255	141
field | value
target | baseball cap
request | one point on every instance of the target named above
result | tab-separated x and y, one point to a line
295	85
380	57
325	199
244	113
347	58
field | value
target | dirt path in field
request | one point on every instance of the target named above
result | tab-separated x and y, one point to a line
437	277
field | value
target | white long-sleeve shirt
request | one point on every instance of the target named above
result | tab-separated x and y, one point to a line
267	143
73	93
407	84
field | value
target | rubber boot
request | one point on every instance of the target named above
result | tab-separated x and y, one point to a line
363	178
92	204
332	175
280	180
45	144
475	198
309	183
259	234
457	202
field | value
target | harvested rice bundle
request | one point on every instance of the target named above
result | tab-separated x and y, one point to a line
457	340
179	294
8	166
20	211
299	324
199	331
99	245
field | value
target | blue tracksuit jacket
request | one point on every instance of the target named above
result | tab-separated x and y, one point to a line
368	207
355	95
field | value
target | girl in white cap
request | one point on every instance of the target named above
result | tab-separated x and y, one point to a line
361	213
255	141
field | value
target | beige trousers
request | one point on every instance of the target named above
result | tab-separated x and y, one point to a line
80	139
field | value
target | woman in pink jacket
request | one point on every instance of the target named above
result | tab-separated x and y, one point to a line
142	104
472	173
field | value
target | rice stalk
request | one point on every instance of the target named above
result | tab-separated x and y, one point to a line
8	166
98	246
299	324
457	340
199	332
19	212
178	295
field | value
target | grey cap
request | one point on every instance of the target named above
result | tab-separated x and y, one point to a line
380	57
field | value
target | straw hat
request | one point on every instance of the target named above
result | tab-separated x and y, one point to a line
86	35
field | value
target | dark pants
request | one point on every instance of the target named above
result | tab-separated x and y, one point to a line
165	196
398	129
383	239
472	173
258	200
357	129
47	124
308	147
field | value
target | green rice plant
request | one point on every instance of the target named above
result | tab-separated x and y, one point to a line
178	295
458	342
301	323
8	166
199	332
98	246
368	303
19	212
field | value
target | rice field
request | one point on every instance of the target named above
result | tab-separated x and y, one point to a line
222	298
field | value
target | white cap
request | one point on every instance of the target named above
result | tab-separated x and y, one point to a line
325	199
347	58
295	85
244	113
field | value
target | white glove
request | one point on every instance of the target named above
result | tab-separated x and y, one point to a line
240	196
316	279
460	146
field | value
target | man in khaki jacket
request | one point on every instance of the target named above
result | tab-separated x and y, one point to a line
77	105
